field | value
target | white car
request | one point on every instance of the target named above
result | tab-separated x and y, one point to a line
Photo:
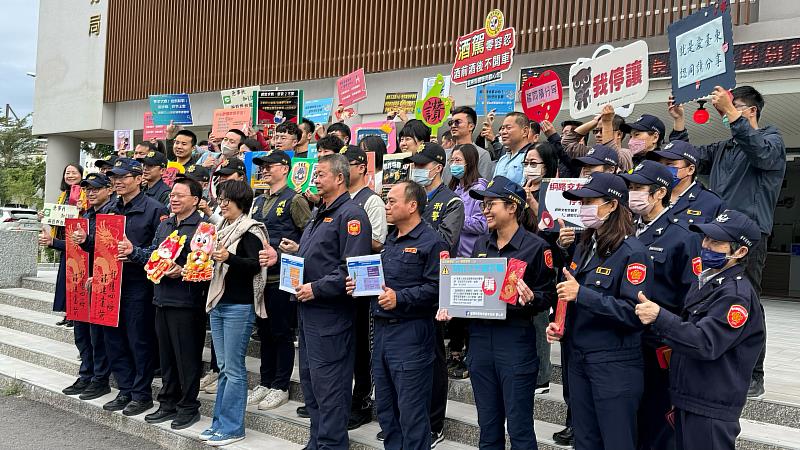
19	219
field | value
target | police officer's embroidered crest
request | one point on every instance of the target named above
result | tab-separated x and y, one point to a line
722	218
697	265
151	154
737	316
636	273
548	258
354	227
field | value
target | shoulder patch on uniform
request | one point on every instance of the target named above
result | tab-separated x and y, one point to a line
410	250
573	265
737	316
636	273
327	220
548	258
354	227
697	265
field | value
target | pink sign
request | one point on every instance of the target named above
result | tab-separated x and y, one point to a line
151	130
541	96
352	88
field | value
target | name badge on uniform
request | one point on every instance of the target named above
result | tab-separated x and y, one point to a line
328	220
603	271
693	212
410	250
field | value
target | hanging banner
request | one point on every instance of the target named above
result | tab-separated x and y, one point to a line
275	107
554	206
371	170
618	78
171	107
541	96
385	129
352	88
152	131
238	98
499	97
701	53
106	270
319	110
428	82
302	175
77	272
483	55
228	118
399	101
434	109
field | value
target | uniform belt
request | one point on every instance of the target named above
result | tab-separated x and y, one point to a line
394	320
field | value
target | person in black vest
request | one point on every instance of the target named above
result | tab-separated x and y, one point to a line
375	208
154	187
445	213
284	213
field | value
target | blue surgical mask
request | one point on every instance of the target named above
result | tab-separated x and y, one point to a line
712	259
675	178
457	170
421	176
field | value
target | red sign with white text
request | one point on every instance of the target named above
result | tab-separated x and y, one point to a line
352	88
483	55
107	270
77	272
151	130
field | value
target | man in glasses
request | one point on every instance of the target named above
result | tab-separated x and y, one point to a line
462	126
746	170
287	135
608	129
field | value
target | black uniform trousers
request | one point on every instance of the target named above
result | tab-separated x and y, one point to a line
277	338
94	363
696	432
362	387
130	346
655	433
565	380
181	336
754	267
439	392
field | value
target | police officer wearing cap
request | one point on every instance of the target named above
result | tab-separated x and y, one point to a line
647	134
402	360
715	340
284	213
610	267
94	370
326	314
675	252
600	158
230	169
445	214
197	173
105	164
131	346
502	358
154	164
691	201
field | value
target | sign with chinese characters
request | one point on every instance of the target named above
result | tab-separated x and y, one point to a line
433	109
618	77
302	175
541	96
428	82
55	214
238	98
399	101
275	107
483	55
470	287
319	110
352	88
499	97
385	129
106	270
77	273
701	53
227	118
171	107
395	169
152	131
554	206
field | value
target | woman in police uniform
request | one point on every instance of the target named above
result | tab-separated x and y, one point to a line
609	268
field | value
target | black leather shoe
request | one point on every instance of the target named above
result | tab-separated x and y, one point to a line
161	415
118	404
302	412
565	437
380	436
185	421
756	389
95	390
76	388
137	407
359	417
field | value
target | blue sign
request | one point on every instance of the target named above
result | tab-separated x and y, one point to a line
498	96
318	111
171	107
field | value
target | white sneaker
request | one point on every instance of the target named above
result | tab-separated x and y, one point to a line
211	388
274	399
209	378
258	394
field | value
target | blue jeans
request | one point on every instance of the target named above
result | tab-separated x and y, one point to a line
231	325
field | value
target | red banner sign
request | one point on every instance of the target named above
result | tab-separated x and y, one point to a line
483	55
77	272
352	88
151	130
107	270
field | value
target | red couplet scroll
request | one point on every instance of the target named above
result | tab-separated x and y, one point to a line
107	270
77	272
561	315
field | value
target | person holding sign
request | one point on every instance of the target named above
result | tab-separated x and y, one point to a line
402	360
716	339
503	362
603	334
154	164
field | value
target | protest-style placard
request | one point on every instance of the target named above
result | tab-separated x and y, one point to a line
152	131
395	170
434	108
54	214
77	272
106	270
302	174
701	53
483	55
499	97
123	141
319	110
171	107
171	172
553	205
541	96
428	82
399	101
238	98
371	170
272	108
385	129
227	118
352	88
619	77
470	287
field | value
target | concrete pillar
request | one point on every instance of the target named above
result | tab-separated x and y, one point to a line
61	150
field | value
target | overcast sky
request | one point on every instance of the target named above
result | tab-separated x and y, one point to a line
18	24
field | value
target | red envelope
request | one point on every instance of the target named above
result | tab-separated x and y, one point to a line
663	354
514	272
561	315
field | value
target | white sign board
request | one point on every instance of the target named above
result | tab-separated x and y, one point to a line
55	214
470	287
238	98
554	206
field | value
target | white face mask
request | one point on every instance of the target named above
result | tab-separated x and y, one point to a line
532	173
229	152
639	202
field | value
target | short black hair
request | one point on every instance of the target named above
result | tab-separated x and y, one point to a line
664	201
252	144
414	192
150	146
308	123
447	135
330	142
573	123
751	97
290	128
201	143
190	135
195	188
417	130
238	132
375	145
549	156
617	122
469	111
535	127
239	192
340	127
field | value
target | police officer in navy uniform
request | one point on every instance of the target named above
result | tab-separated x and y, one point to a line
502	358
154	186
445	213
675	252
326	313
691	201
131	345
402	360
600	158
609	268
715	340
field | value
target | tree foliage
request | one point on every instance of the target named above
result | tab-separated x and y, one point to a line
22	171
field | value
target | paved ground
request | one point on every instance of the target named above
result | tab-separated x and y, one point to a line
29	425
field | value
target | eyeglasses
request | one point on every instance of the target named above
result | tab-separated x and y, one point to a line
120	177
179	196
531	163
455	122
488	205
224	201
